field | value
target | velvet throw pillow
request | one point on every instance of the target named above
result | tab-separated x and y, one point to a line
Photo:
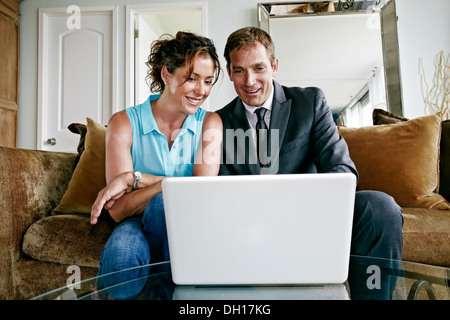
80	129
384	117
89	175
380	116
400	159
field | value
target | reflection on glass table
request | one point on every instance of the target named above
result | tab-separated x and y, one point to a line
369	279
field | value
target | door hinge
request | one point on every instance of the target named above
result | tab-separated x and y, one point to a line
136	33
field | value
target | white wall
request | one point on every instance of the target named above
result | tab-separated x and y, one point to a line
423	31
224	17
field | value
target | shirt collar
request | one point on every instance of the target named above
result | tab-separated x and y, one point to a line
267	104
147	120
190	122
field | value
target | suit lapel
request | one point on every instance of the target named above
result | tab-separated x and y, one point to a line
238	117
281	110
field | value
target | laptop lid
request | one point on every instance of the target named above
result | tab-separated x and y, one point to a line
259	229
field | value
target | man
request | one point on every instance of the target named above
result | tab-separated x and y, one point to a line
301	137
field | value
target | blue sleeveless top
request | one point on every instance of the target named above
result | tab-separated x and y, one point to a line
150	150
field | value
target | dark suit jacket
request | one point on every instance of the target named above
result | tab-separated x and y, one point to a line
307	139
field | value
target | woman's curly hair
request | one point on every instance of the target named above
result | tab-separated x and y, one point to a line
176	52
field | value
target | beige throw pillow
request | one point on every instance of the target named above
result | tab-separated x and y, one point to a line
400	159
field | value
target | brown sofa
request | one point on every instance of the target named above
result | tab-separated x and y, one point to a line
410	160
45	203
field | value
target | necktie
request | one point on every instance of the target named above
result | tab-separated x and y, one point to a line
261	137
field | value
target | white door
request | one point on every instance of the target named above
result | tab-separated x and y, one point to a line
77	72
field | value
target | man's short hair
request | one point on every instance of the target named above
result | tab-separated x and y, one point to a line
248	36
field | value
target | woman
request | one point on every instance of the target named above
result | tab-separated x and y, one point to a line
165	136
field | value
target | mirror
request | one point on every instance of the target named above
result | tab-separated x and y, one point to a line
350	52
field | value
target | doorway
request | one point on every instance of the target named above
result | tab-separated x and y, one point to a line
148	23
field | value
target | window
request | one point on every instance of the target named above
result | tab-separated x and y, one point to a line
352	117
359	112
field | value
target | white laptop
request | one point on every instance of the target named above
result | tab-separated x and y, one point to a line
260	229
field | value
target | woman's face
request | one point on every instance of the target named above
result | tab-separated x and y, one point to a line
190	93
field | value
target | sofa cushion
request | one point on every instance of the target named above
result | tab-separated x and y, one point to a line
400	159
89	175
384	117
67	239
426	236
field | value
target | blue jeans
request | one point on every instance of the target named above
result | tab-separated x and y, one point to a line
136	241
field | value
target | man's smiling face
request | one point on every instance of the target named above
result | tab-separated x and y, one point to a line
252	73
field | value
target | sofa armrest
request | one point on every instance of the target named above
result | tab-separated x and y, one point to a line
32	183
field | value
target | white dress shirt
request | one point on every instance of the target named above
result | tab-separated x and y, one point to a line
252	117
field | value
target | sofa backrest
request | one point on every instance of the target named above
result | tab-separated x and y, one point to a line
444	188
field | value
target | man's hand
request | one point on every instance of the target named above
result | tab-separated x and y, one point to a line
111	193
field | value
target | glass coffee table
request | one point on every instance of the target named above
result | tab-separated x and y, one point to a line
369	279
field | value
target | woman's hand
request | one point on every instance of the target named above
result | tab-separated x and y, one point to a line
106	198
